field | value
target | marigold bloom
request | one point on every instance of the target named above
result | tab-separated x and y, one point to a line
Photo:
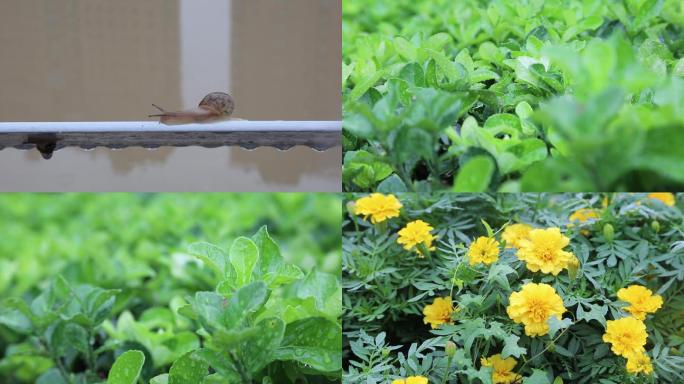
439	312
666	197
641	299
638	363
533	306
502	372
415	233
411	380
585	214
514	233
378	206
627	336
483	250
543	251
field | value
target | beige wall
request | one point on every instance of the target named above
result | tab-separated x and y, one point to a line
89	60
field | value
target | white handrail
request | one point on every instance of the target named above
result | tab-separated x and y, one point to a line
153	126
50	136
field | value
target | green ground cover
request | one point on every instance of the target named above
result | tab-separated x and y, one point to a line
169	288
513	95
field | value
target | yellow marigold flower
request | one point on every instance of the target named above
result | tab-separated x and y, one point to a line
411	380
439	312
514	233
533	305
641	299
543	251
585	214
502	369
378	206
638	363
666	197
483	250
627	336
415	233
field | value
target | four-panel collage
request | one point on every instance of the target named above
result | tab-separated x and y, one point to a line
342	191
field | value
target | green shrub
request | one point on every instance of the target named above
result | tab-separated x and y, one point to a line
124	289
520	95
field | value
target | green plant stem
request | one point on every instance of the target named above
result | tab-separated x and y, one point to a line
62	369
58	363
553	342
448	367
240	368
90	355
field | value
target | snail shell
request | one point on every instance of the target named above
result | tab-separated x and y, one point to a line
220	103
214	106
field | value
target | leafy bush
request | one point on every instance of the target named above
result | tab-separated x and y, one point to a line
513	288
139	297
521	95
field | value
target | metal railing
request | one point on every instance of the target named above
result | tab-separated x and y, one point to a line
47	137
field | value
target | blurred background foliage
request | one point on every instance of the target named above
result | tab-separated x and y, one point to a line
139	241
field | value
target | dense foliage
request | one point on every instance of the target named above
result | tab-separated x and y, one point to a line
128	288
439	287
514	95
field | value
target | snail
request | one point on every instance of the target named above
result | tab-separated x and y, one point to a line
213	107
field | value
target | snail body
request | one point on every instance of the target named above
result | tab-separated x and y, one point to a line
213	107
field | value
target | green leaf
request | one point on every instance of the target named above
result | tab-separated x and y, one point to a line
489	52
678	69
511	347
210	307
220	363
260	352
160	379
316	342
126	368
662	152
524	110
488	228
481	74
538	377
66	335
498	274
51	376
392	184
244	255
413	74
438	41
475	175
188	369
414	144
596	312
325	289
405	48
211	255
364	169
556	325
244	302
19	320
99	303
365	85
272	268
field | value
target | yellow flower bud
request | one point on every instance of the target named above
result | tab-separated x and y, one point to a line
450	348
608	232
